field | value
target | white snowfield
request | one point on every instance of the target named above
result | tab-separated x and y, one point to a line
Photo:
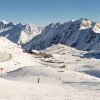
69	74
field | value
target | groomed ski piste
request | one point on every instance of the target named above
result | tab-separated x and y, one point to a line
69	74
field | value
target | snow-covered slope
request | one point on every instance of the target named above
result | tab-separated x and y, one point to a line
62	77
12	56
69	74
81	34
18	33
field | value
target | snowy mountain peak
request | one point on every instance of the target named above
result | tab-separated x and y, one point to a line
18	33
3	22
4	26
81	34
96	28
58	24
85	23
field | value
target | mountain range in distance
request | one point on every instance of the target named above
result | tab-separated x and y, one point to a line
81	34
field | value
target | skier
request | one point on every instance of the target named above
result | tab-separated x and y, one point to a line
38	81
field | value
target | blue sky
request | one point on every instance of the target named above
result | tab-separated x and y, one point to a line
43	12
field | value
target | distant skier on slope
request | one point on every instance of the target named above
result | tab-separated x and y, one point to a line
38	81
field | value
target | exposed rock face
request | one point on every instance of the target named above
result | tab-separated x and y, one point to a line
18	33
81	34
